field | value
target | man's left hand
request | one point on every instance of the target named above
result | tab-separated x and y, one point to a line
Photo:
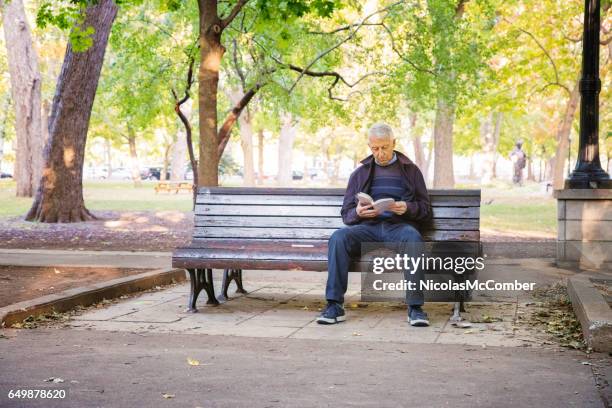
399	207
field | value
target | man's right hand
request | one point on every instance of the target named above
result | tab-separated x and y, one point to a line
366	211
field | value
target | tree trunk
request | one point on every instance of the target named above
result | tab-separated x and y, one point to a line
179	157
443	145
260	156
59	197
109	157
211	53
417	144
134	157
489	135
530	174
563	132
3	123
246	139
179	150
164	171
285	150
25	89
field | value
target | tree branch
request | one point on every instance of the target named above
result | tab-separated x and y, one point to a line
230	17
399	54
337	77
177	108
347	38
342	28
226	129
552	62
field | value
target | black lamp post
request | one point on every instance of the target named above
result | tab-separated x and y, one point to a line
588	172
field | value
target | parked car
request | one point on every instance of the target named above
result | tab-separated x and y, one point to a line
297	175
153	173
120	173
5	175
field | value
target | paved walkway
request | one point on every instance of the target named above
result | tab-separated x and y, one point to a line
285	304
264	349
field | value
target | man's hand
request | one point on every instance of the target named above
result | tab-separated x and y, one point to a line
399	207
366	211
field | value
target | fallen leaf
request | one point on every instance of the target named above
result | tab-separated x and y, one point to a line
356	334
56	270
55	380
461	325
168	396
193	362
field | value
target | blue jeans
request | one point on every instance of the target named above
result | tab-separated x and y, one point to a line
345	244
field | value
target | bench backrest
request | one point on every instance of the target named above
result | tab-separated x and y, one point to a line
314	214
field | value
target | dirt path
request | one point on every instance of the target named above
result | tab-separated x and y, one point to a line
19	283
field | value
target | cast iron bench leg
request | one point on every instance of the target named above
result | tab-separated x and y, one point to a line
228	276
201	279
459	300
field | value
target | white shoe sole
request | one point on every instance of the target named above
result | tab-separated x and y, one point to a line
418	322
325	320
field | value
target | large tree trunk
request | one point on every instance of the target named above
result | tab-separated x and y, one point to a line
563	133
419	154
60	194
260	157
179	149
179	157
211	53
3	124
285	150
25	89
443	145
134	157
246	139
489	135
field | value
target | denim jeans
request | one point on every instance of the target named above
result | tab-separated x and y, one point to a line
345	244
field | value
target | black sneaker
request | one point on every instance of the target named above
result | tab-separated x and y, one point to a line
417	317
333	313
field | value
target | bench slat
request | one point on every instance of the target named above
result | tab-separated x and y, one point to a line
314	191
312	211
315	233
469	224
287	200
315	254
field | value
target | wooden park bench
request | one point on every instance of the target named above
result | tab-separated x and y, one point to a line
173	186
287	229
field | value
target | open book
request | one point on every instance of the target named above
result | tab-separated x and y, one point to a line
379	205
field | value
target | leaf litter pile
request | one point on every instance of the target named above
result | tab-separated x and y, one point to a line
57	320
553	315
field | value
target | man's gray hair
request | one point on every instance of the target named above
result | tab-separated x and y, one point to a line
381	131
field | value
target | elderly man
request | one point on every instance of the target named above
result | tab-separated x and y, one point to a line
384	174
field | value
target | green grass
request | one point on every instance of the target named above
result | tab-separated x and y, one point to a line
100	196
527	217
511	209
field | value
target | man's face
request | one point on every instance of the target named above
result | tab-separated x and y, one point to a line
382	149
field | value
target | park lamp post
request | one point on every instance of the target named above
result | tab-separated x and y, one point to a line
588	172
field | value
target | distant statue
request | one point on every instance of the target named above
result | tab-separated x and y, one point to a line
519	160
